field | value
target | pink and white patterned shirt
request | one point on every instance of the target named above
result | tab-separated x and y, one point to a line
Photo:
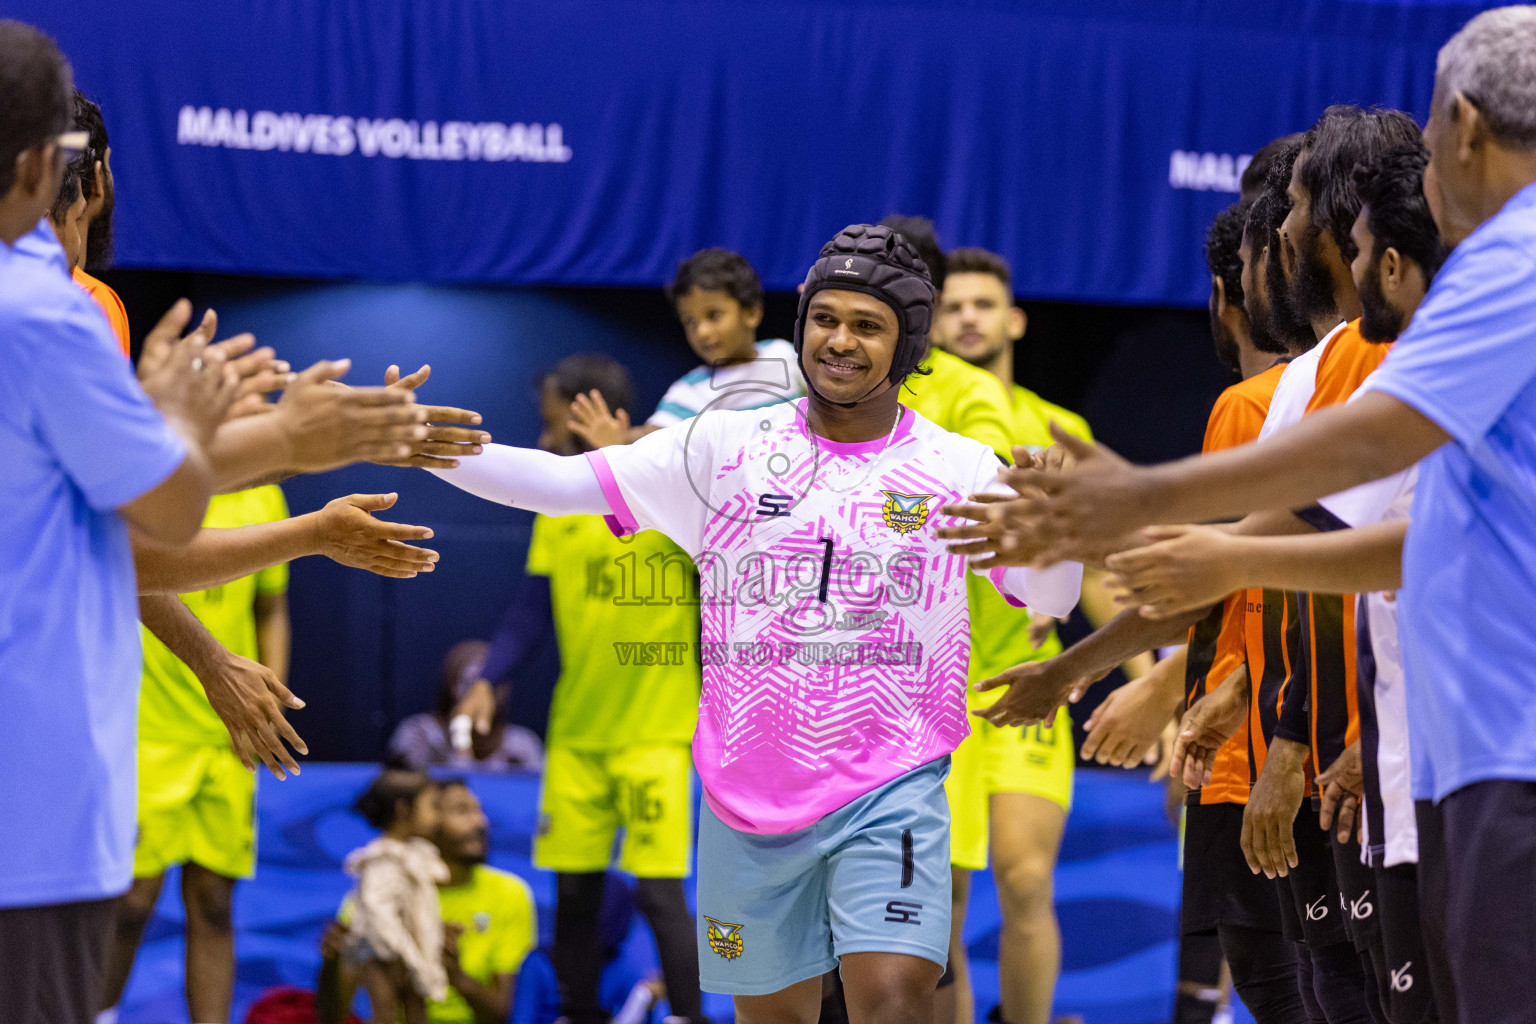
835	624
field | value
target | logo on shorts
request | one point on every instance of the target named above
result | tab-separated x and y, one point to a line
544	824
905	512
1319	910
1402	981
901	912
724	939
1362	908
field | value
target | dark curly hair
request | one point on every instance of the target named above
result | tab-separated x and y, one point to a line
379	804
1342	139
1392	195
1222	240
718	270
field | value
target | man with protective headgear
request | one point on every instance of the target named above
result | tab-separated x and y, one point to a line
835	642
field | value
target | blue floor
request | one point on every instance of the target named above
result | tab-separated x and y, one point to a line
1117	892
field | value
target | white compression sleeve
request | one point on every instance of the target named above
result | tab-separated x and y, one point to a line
532	479
1053	591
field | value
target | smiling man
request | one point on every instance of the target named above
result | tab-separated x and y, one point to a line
835	642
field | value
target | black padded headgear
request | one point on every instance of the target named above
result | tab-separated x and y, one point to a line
880	262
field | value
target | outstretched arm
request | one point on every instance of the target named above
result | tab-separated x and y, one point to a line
344	531
1038	688
1185	567
1332	450
530	479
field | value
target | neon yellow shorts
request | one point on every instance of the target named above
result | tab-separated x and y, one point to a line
589	795
197	804
1038	760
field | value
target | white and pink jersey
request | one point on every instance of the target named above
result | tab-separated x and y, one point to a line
835	623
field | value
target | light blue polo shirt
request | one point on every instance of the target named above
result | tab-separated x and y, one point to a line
78	439
1468	601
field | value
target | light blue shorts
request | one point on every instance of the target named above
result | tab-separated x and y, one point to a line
871	877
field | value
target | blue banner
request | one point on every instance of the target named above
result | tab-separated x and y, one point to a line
581	142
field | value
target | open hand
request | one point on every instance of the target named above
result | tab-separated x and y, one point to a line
346	531
325	426
1343	788
595	424
1074	513
1178	569
1125	729
249	699
1035	690
1205	728
1268	843
190	382
451	432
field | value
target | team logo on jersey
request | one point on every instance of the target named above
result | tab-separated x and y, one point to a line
482	922
724	939
905	512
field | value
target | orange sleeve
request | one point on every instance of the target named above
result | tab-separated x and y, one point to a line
1232	642
110	303
1236	419
1345	364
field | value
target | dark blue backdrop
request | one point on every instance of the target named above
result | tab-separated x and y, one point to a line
588	142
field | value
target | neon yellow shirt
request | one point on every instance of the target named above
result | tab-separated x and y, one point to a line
627	621
172	705
501	928
963	398
999	631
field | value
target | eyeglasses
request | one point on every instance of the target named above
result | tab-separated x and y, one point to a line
72	144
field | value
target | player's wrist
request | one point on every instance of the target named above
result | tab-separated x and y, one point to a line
312	533
208	660
1287	755
196	435
1241	561
1156	491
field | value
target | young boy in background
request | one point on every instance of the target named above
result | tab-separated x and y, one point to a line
719	300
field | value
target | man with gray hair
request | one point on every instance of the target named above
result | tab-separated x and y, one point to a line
1458	392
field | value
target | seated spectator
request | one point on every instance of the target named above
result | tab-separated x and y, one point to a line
425	741
393	917
489	920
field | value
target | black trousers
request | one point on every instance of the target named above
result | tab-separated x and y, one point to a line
1481	882
53	961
